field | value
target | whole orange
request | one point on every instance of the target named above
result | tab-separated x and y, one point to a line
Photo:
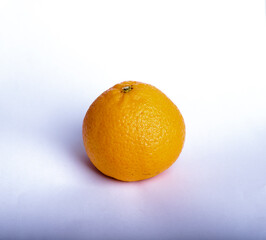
133	131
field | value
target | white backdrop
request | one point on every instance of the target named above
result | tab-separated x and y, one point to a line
56	57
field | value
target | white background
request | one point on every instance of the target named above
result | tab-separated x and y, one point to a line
56	57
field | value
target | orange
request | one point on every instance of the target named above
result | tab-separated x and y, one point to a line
133	131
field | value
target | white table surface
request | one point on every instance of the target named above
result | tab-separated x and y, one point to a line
56	57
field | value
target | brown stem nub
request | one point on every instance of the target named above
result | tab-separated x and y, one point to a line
127	89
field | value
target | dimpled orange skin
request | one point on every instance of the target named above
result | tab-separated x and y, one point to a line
133	132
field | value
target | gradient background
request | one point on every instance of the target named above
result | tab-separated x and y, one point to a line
56	57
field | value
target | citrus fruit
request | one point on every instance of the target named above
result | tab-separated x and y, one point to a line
133	131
